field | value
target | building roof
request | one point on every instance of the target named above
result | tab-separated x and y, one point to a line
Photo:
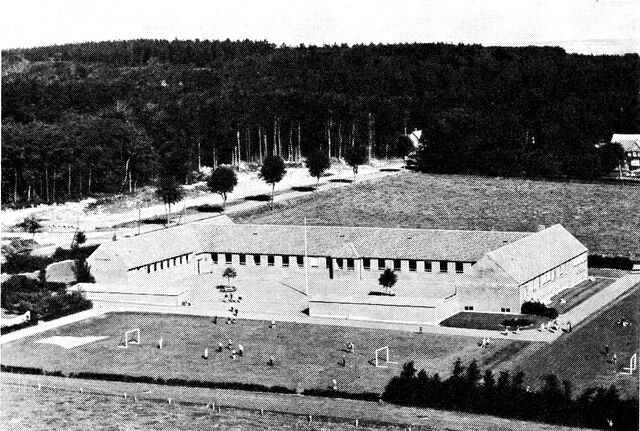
354	242
527	258
629	142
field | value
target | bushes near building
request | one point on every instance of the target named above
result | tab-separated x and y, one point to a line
611	262
539	309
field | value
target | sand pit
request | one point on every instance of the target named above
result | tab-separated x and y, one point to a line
70	342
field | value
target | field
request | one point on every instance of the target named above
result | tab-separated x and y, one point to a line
603	216
578	356
306	356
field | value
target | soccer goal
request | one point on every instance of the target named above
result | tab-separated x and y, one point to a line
382	355
130	337
633	365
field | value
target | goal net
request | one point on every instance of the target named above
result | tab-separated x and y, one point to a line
130	337
382	357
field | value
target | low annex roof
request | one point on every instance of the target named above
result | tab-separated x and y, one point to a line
536	254
353	242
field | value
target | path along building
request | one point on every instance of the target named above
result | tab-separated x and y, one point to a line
440	272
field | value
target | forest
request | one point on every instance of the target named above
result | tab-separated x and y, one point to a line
106	117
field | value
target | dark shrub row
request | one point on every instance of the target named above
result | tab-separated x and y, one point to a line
9	329
612	262
516	322
330	393
470	390
538	309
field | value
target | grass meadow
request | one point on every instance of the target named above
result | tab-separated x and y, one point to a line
306	356
603	216
578	356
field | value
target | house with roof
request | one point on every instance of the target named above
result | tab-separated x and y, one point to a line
631	145
440	272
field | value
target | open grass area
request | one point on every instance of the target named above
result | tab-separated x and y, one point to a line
603	216
578	294
492	321
60	410
578	357
306	356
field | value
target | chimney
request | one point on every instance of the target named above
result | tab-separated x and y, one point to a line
541	227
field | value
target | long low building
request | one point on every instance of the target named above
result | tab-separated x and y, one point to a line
440	272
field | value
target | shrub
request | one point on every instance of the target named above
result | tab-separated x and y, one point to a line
18	263
539	309
517	322
612	262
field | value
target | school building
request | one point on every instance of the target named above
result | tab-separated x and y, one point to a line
440	272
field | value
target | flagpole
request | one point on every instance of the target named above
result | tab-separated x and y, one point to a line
306	260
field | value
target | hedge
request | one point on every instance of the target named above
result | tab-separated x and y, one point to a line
612	262
538	309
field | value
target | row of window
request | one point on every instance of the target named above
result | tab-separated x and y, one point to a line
502	310
443	266
167	263
349	263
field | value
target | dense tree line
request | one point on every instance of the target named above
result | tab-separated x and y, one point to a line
470	390
110	116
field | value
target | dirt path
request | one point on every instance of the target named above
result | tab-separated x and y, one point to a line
280	403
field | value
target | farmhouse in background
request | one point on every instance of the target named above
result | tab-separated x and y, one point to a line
631	146
440	272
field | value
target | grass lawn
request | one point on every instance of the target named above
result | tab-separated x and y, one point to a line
577	356
602	216
307	356
492	321
46	410
578	294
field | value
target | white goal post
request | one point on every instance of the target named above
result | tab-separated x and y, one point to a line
633	365
386	358
130	337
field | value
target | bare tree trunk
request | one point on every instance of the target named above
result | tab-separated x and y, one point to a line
299	152
370	137
53	178
46	179
260	143
329	136
15	185
215	157
405	126
275	131
339	141
89	185
266	145
236	150
247	144
130	185
290	147
199	152
29	192
353	133
69	182
126	174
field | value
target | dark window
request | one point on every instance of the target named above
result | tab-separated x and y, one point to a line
427	266
270	260
505	310
381	264
459	268
227	258
366	263
300	260
350	264
443	266
214	258
285	260
396	264
328	262
413	265
468	307
243	259
339	263
256	259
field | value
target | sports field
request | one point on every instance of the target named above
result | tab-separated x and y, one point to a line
306	356
603	216
579	356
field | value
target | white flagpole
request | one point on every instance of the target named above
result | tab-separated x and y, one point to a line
306	260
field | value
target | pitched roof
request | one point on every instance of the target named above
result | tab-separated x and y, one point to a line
535	254
628	142
347	242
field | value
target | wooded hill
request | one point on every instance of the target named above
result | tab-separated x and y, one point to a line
110	116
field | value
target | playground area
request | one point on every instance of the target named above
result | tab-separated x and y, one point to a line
304	355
